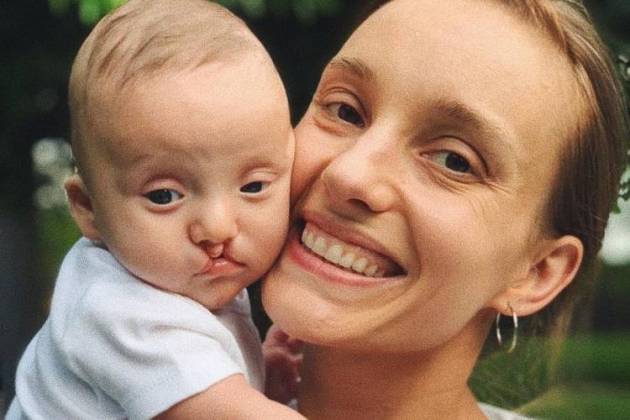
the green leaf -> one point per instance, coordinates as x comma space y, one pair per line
109, 5
616, 209
89, 11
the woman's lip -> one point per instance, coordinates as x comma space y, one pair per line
325, 270
351, 237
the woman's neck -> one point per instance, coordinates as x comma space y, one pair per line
430, 385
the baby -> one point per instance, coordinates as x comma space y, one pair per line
183, 144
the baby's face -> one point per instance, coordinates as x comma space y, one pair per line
190, 178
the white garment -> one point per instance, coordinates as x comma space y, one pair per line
496, 413
114, 347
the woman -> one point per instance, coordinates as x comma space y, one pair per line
459, 160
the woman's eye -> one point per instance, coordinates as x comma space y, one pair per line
254, 187
163, 196
452, 161
348, 114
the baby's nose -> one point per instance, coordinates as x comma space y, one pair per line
216, 226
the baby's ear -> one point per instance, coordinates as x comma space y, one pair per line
81, 207
549, 273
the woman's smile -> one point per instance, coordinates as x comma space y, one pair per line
346, 257
342, 254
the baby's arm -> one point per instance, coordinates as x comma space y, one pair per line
232, 398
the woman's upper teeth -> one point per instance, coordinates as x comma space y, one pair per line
350, 257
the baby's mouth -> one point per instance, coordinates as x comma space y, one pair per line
352, 258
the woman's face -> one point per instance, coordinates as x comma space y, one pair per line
423, 165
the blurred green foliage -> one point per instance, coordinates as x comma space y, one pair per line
513, 379
56, 232
581, 401
596, 358
90, 11
589, 380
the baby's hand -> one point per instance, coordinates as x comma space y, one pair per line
283, 357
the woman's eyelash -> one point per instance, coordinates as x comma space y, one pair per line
452, 161
341, 104
347, 113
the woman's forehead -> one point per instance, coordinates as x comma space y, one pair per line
450, 30
468, 52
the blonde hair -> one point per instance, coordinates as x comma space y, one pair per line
149, 38
588, 182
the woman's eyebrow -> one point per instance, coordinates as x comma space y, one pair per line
493, 137
351, 65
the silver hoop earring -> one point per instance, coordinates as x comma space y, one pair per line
514, 334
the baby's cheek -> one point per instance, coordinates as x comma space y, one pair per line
270, 238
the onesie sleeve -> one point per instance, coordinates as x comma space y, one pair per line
147, 349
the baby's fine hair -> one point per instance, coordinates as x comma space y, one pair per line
143, 39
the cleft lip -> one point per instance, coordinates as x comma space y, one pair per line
351, 237
218, 265
207, 267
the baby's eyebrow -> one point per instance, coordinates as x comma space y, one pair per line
352, 65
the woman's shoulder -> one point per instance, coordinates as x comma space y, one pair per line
496, 413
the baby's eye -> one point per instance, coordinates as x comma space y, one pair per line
254, 187
163, 196
452, 161
347, 113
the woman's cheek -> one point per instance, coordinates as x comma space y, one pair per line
314, 150
299, 178
307, 159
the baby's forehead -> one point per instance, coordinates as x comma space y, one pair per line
168, 150
179, 121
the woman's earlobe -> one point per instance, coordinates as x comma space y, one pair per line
80, 206
550, 274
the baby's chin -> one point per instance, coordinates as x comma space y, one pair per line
220, 292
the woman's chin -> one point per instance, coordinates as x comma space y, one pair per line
321, 312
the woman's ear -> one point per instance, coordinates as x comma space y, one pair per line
81, 207
553, 270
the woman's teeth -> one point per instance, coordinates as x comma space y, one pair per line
339, 254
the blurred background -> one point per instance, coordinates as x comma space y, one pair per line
39, 38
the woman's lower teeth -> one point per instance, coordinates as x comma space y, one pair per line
335, 254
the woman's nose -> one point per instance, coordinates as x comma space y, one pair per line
214, 224
360, 176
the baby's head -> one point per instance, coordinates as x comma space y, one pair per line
184, 147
